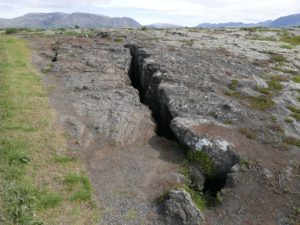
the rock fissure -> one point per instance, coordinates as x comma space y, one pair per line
146, 77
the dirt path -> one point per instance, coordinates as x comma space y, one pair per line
128, 180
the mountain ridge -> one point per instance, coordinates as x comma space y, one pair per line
284, 21
58, 19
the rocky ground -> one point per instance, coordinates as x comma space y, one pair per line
213, 111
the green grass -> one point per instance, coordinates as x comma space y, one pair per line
197, 197
9, 31
50, 200
274, 84
295, 112
286, 46
263, 102
233, 85
296, 79
204, 161
293, 40
119, 40
32, 190
80, 187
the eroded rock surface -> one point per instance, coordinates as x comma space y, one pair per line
232, 94
180, 209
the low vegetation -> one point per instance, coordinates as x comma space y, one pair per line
13, 30
204, 161
295, 112
263, 102
39, 182
197, 197
293, 40
292, 141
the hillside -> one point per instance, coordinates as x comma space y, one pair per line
54, 20
287, 21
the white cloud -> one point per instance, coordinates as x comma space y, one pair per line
184, 12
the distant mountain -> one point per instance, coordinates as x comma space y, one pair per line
235, 24
287, 21
56, 20
163, 25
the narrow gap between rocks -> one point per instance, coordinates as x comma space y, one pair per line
153, 98
160, 111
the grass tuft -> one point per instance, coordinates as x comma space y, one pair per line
80, 187
197, 197
50, 200
204, 161
261, 102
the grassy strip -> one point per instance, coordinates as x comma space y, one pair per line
34, 161
293, 40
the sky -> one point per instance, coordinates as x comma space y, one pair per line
181, 12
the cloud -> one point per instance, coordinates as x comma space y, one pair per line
184, 12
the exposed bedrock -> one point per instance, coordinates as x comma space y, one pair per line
152, 81
146, 76
180, 209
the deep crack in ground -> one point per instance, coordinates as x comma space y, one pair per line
148, 87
